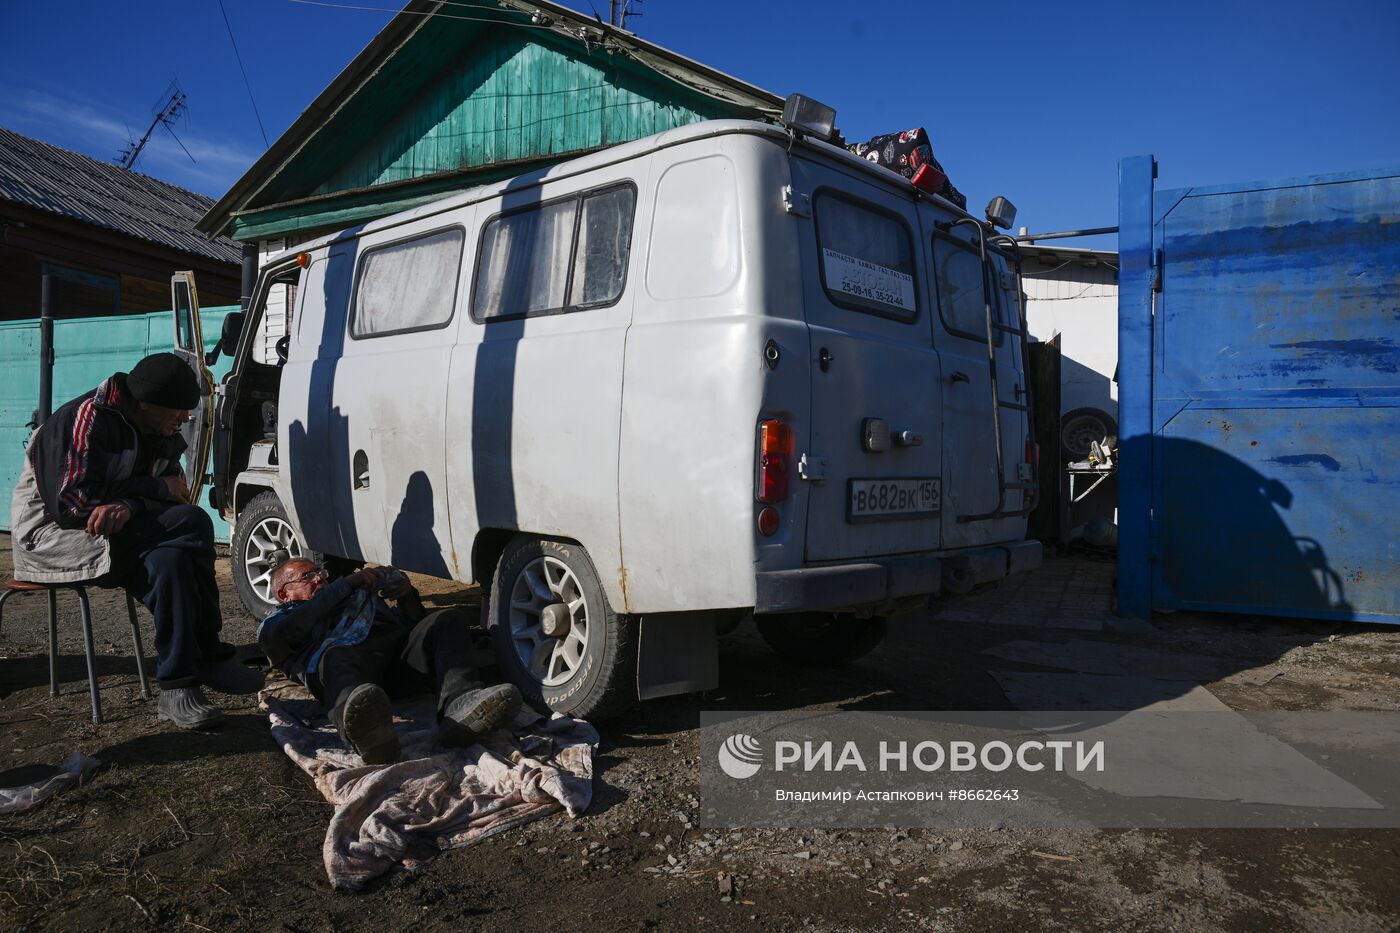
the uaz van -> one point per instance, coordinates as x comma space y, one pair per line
725, 371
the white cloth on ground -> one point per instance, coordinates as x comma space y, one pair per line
433, 798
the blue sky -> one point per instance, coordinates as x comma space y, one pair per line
1036, 101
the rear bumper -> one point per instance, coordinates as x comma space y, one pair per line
835, 587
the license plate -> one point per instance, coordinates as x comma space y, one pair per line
875, 500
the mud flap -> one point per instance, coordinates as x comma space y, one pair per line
677, 652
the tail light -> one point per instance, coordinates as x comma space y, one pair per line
774, 454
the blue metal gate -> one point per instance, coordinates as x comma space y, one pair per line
1259, 396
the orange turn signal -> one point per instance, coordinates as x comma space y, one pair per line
774, 450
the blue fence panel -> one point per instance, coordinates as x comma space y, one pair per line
1267, 434
86, 351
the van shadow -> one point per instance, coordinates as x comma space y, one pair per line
1224, 539
494, 371
317, 461
958, 655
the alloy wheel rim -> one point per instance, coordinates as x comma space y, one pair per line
548, 581
268, 536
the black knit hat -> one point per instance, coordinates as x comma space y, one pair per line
166, 380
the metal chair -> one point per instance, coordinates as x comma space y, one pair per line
19, 586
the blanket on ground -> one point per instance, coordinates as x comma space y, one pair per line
433, 798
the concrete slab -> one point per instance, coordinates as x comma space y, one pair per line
1179, 741
1043, 691
1098, 657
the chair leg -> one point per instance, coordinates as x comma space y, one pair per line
3, 597
53, 643
140, 649
91, 655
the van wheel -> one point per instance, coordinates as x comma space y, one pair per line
259, 533
555, 635
824, 639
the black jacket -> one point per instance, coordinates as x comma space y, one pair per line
292, 633
75, 454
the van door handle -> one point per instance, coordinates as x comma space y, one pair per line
959, 377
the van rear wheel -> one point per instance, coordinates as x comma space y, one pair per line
555, 635
823, 639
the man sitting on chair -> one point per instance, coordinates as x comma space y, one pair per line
101, 498
356, 652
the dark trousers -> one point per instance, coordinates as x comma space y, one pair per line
431, 656
165, 558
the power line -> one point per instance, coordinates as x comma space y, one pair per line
427, 14
541, 21
246, 83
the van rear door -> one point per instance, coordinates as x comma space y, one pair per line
962, 287
874, 460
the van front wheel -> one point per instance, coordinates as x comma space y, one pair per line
262, 537
825, 639
555, 635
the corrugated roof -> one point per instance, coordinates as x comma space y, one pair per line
51, 179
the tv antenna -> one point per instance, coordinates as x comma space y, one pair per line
620, 10
168, 110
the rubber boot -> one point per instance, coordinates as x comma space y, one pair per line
477, 713
367, 724
188, 708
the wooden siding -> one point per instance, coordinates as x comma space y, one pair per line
142, 269
507, 100
460, 106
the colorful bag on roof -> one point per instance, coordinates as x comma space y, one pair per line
910, 154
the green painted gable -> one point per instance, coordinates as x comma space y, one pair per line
454, 104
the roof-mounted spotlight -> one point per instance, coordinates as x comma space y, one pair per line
1001, 213
810, 117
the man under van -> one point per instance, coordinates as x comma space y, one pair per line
355, 652
101, 498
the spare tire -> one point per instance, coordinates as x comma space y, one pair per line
1080, 428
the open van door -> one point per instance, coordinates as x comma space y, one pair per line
189, 346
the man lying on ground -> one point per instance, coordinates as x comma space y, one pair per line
101, 499
355, 653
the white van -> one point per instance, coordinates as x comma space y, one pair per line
640, 396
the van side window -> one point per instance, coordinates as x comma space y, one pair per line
409, 285
961, 286
604, 241
565, 255
867, 258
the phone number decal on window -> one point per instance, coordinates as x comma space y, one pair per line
869, 281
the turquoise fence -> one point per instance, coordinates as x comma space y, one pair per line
86, 351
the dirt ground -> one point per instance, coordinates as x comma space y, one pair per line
220, 831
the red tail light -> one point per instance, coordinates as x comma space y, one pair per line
774, 453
